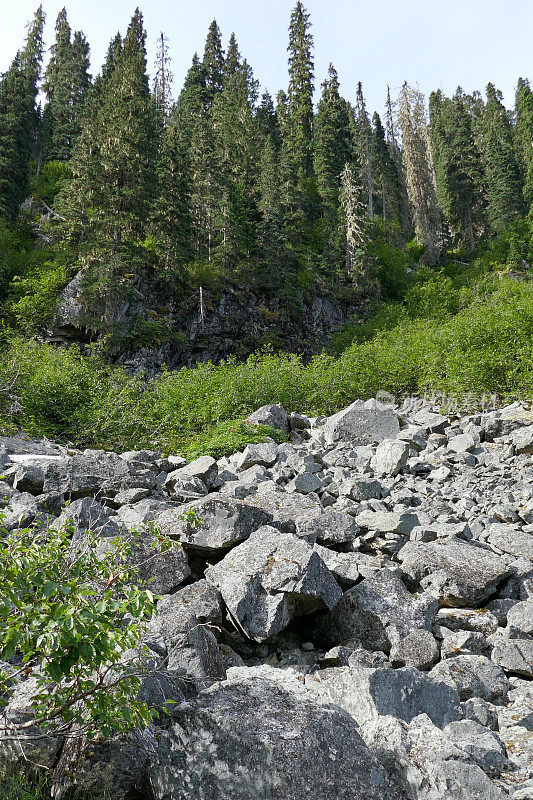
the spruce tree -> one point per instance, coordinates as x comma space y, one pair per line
524, 136
363, 136
163, 78
233, 58
171, 218
458, 169
503, 181
300, 96
19, 120
192, 100
386, 176
114, 166
419, 172
213, 63
66, 84
267, 121
332, 150
354, 225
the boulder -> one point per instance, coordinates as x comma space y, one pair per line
367, 694
87, 514
263, 454
362, 423
271, 578
274, 416
523, 440
331, 528
220, 523
93, 472
515, 656
473, 676
391, 455
372, 609
455, 572
261, 734
204, 469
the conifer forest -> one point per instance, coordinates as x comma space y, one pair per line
131, 209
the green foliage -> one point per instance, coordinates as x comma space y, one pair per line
34, 298
231, 436
53, 176
68, 613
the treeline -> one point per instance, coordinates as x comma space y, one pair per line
278, 193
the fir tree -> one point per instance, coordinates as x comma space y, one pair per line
19, 120
192, 100
267, 121
524, 136
458, 169
213, 63
503, 180
171, 221
363, 136
66, 84
333, 149
114, 165
354, 224
233, 58
300, 97
419, 171
387, 177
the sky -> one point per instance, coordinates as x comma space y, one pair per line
430, 43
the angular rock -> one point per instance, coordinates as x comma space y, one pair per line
264, 454
271, 578
362, 423
221, 522
523, 440
87, 514
274, 416
371, 609
417, 649
465, 619
289, 511
260, 734
473, 676
93, 472
514, 655
204, 468
457, 573
331, 528
402, 693
343, 566
388, 521
509, 539
520, 619
391, 455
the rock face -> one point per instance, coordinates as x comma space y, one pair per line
261, 734
347, 614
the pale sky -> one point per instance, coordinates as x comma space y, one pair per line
432, 43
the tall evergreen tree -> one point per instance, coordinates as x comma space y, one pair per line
386, 176
233, 58
524, 136
192, 100
458, 168
354, 223
503, 181
114, 166
213, 63
300, 97
171, 219
19, 119
333, 149
419, 171
163, 77
267, 120
363, 137
66, 83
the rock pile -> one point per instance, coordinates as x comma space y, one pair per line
351, 618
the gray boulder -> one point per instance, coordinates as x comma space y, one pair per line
263, 454
367, 694
274, 416
362, 423
523, 440
271, 578
261, 734
221, 523
391, 455
520, 620
205, 469
331, 528
87, 514
93, 472
375, 607
457, 573
473, 676
515, 656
